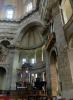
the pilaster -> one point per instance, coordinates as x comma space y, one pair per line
63, 61
48, 74
14, 70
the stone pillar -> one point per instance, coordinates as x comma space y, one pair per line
54, 76
48, 74
14, 71
43, 76
42, 54
9, 67
19, 10
70, 55
63, 61
35, 56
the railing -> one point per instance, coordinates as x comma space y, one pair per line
29, 95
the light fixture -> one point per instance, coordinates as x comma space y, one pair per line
26, 71
32, 75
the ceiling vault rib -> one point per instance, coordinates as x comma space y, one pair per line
40, 36
34, 39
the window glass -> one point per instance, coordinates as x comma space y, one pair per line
29, 7
9, 13
23, 60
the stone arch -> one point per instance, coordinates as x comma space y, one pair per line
28, 25
54, 72
2, 78
31, 24
54, 49
33, 21
31, 32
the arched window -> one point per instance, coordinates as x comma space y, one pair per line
29, 7
23, 60
9, 11
33, 61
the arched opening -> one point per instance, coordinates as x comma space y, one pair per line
27, 26
54, 74
32, 32
2, 77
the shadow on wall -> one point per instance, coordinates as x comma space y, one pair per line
2, 77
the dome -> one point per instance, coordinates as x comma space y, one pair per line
31, 39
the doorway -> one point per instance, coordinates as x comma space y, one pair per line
2, 78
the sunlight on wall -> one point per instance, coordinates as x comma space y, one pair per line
67, 10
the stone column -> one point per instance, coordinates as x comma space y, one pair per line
14, 70
43, 76
48, 74
63, 61
70, 55
9, 67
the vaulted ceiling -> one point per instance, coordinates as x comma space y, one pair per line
31, 38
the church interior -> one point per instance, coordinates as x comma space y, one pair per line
36, 49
